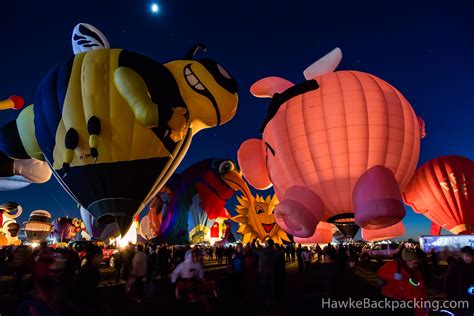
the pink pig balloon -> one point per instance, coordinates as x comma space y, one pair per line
340, 143
386, 233
322, 235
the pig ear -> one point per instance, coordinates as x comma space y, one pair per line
328, 63
252, 162
267, 87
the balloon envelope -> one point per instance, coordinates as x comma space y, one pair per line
145, 229
390, 232
322, 235
114, 125
19, 173
10, 230
192, 201
323, 138
100, 231
39, 226
13, 183
65, 228
348, 229
443, 190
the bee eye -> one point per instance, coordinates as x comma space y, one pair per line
223, 72
259, 209
226, 166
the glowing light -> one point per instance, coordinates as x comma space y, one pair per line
470, 290
413, 283
154, 8
130, 236
34, 245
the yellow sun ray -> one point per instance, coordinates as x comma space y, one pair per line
256, 219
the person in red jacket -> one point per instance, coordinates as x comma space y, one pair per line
403, 281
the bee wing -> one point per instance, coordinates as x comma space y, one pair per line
85, 38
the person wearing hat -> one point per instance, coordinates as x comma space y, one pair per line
402, 279
459, 281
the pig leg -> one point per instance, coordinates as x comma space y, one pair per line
377, 199
300, 212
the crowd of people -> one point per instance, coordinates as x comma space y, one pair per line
63, 282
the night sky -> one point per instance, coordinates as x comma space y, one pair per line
424, 48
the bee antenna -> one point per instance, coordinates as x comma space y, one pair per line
194, 49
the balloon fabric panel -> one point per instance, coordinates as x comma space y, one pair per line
443, 190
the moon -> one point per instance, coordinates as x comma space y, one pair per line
154, 8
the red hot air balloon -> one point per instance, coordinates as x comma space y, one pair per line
435, 229
384, 233
340, 144
443, 190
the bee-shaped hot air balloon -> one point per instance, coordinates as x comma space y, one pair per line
19, 173
114, 124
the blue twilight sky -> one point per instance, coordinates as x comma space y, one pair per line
424, 48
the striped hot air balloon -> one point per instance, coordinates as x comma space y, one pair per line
341, 143
443, 190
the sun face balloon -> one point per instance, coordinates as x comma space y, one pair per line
114, 124
443, 190
341, 143
256, 219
